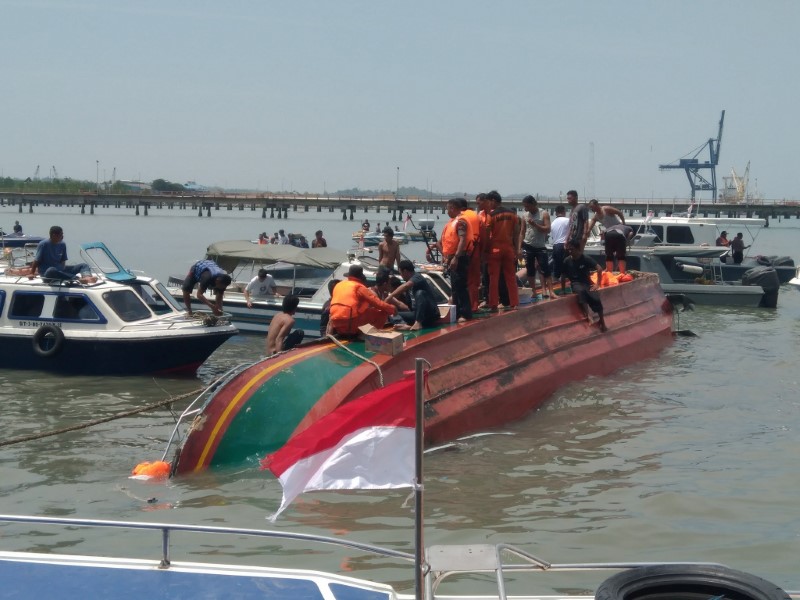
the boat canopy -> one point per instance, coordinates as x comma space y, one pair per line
231, 253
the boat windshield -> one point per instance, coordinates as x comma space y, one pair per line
128, 305
156, 296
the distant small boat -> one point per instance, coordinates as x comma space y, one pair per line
18, 240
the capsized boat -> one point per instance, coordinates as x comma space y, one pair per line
114, 323
486, 372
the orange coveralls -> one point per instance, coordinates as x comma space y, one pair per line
503, 224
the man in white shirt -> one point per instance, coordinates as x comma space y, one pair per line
260, 287
559, 227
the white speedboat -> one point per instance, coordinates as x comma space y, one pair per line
115, 323
795, 281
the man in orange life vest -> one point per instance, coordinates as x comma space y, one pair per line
457, 243
504, 249
474, 273
354, 305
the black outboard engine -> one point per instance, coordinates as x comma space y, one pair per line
768, 279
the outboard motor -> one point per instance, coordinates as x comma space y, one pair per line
768, 279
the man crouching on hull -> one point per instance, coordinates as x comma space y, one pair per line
578, 267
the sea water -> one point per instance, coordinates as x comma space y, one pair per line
688, 456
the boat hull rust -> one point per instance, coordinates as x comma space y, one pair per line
485, 373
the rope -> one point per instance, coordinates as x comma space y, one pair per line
121, 415
357, 355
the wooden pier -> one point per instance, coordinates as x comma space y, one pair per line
275, 206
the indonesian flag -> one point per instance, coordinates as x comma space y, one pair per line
367, 443
406, 221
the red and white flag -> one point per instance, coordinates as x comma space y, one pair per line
406, 221
368, 443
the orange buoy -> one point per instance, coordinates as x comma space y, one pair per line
151, 470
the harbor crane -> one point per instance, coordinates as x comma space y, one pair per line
693, 166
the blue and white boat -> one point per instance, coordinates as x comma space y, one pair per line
114, 322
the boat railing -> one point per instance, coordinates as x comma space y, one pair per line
197, 405
167, 529
444, 562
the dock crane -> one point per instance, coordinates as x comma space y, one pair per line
692, 166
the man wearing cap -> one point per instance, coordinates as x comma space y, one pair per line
722, 240
261, 286
354, 305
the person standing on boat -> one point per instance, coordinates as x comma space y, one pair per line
578, 223
616, 233
354, 305
738, 248
536, 227
205, 274
280, 336
51, 260
505, 247
559, 227
722, 240
319, 241
282, 237
474, 272
424, 311
389, 250
261, 286
457, 244
578, 268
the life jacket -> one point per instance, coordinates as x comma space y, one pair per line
474, 224
345, 301
450, 236
608, 279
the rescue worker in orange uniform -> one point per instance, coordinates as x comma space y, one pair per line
504, 250
353, 304
457, 243
474, 272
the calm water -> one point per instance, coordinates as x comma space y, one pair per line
690, 456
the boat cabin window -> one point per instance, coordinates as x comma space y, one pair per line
2, 300
658, 231
158, 299
26, 305
679, 234
128, 305
75, 308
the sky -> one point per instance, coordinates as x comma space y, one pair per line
450, 96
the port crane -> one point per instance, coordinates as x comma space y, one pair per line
693, 166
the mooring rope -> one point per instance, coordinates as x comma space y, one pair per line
357, 355
121, 415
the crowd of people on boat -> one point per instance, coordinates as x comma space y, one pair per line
480, 249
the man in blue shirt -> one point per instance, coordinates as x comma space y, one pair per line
51, 259
205, 274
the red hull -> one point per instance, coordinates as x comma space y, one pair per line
493, 371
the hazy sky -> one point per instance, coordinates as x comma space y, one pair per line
460, 95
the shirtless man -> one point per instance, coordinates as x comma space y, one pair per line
278, 337
389, 250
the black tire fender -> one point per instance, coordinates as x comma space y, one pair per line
687, 581
48, 341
